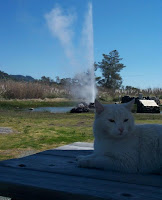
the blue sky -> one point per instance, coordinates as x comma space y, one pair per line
133, 27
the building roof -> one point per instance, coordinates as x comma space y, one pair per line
149, 103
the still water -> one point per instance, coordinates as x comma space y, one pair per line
52, 109
55, 109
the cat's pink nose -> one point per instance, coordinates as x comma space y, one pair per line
121, 130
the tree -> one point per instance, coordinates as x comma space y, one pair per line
66, 81
110, 67
46, 80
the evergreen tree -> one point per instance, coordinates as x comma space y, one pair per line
110, 67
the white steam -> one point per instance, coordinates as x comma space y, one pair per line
87, 40
61, 25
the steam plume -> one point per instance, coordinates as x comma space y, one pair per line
61, 26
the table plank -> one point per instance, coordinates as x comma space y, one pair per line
27, 181
64, 162
55, 173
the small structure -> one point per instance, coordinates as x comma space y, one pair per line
147, 106
127, 98
144, 104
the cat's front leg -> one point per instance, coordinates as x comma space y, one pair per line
86, 161
103, 162
94, 161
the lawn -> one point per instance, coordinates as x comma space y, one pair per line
34, 103
34, 132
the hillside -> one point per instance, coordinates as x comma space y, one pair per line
22, 78
5, 76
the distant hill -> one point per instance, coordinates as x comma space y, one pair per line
22, 78
5, 76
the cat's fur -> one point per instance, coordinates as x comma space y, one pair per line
122, 146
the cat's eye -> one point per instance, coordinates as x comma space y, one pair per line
125, 120
111, 120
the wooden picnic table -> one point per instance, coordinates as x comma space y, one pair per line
54, 174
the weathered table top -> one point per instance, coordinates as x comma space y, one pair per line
54, 174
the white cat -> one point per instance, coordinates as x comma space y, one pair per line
122, 146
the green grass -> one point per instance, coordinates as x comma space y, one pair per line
34, 132
41, 131
15, 104
148, 118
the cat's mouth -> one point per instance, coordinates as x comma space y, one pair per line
119, 135
122, 133
116, 134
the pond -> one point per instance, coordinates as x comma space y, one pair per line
56, 109
52, 109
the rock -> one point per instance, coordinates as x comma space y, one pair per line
81, 107
5, 130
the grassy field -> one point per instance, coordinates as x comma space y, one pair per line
39, 131
34, 132
34, 103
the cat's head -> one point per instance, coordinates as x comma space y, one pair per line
114, 120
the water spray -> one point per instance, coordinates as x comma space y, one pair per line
61, 27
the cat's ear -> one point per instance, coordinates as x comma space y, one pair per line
99, 107
129, 105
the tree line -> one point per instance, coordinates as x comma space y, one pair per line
110, 67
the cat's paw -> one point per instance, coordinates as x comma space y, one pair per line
84, 162
79, 158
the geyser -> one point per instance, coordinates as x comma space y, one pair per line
89, 45
81, 58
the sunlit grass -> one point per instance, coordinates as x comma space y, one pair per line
21, 104
34, 132
148, 118
41, 131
